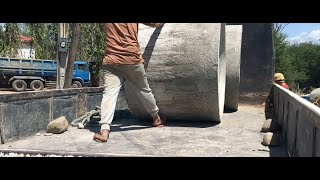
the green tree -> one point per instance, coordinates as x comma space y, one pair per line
280, 44
305, 58
92, 45
10, 40
284, 58
44, 39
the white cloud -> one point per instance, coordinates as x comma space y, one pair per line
313, 36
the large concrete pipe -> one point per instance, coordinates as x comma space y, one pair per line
186, 69
257, 63
233, 55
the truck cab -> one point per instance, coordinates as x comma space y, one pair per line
81, 74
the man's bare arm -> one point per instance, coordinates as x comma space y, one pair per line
153, 24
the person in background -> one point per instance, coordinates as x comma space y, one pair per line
279, 79
269, 106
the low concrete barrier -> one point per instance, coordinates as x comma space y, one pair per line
300, 122
26, 113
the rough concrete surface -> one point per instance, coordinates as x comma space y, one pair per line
300, 122
186, 67
233, 55
237, 135
257, 62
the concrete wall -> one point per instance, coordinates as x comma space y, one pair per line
257, 62
26, 113
300, 122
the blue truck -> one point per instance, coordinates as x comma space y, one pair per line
37, 74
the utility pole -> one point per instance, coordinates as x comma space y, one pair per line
63, 46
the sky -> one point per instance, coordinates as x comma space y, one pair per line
303, 32
300, 32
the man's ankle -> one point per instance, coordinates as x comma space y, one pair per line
104, 131
156, 117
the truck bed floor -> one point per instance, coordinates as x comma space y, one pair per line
237, 135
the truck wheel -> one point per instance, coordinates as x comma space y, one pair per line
36, 85
19, 85
76, 84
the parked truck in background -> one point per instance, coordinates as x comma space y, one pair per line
37, 74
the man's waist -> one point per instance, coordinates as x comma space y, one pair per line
118, 59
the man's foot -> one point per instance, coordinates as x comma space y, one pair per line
103, 136
159, 120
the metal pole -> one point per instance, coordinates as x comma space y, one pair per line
62, 54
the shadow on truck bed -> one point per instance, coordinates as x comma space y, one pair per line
125, 121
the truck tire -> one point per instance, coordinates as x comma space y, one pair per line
76, 84
36, 85
19, 85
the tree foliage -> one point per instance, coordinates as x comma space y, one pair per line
305, 58
10, 39
92, 45
44, 35
44, 39
300, 63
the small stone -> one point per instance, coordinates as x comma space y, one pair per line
48, 134
38, 134
315, 94
270, 126
58, 125
272, 139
